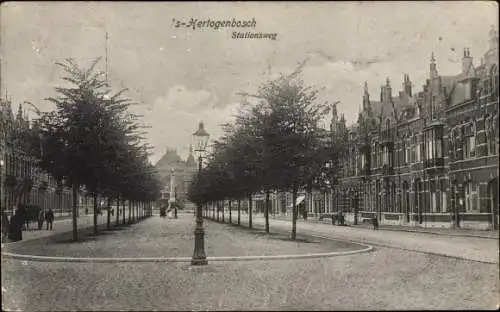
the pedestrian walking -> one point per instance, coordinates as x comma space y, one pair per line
341, 218
15, 226
375, 223
41, 218
5, 226
49, 216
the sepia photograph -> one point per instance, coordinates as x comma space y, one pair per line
249, 156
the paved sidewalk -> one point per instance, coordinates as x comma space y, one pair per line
470, 248
66, 225
459, 246
436, 231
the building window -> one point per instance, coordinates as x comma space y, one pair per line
413, 153
407, 153
386, 155
433, 201
439, 148
443, 200
430, 145
469, 147
417, 152
471, 197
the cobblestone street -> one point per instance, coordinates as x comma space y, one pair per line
384, 279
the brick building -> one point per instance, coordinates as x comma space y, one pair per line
21, 180
427, 158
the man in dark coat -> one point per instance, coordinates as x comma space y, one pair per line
49, 216
41, 219
16, 224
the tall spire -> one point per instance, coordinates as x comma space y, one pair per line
493, 41
433, 70
407, 85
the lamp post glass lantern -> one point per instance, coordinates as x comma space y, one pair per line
200, 138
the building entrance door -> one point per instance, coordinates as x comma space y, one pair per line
494, 205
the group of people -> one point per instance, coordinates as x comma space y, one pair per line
13, 228
47, 216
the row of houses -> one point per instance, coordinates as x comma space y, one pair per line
426, 158
21, 179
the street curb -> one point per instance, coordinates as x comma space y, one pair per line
412, 250
14, 256
403, 230
368, 248
440, 234
368, 243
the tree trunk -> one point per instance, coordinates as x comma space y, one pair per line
217, 208
117, 210
239, 212
356, 203
294, 214
95, 212
130, 211
123, 211
108, 223
223, 212
133, 214
74, 211
230, 216
250, 211
266, 210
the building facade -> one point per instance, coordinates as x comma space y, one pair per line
428, 158
21, 180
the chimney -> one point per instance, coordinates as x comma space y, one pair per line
466, 62
407, 85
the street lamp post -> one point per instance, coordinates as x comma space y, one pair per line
199, 258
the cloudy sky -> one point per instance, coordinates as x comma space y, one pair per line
181, 75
